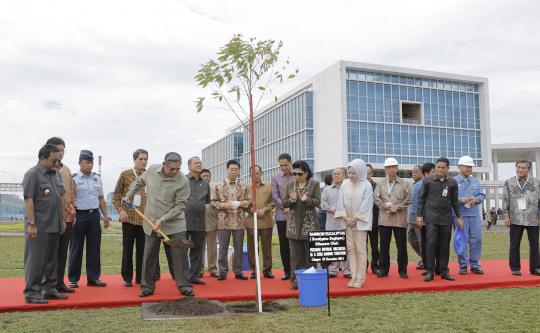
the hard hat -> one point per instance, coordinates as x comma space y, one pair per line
390, 162
466, 160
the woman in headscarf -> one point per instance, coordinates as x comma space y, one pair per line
355, 206
302, 199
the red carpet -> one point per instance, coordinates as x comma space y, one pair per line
116, 295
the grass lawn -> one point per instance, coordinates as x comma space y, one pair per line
494, 310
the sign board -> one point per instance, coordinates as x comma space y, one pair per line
327, 246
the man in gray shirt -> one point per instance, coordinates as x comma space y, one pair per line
195, 216
43, 191
167, 191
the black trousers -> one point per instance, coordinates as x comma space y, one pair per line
196, 253
63, 248
284, 250
400, 235
438, 235
132, 235
87, 228
373, 238
516, 233
424, 251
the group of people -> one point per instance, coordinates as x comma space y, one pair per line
63, 210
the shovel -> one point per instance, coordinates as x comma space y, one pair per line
179, 243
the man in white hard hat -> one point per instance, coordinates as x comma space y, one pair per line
470, 197
393, 197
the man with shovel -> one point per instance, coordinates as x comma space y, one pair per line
167, 190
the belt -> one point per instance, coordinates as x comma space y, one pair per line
89, 211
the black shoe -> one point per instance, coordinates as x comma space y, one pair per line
347, 276
463, 271
516, 273
64, 289
222, 276
146, 293
294, 286
286, 276
477, 271
54, 295
381, 274
187, 291
424, 273
268, 275
34, 300
403, 275
196, 280
201, 274
240, 276
214, 274
73, 284
253, 275
536, 272
332, 275
420, 266
428, 277
447, 277
97, 283
128, 284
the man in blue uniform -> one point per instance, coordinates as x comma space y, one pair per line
470, 198
89, 198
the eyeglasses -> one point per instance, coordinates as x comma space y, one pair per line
298, 173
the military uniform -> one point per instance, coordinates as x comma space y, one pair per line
45, 188
88, 189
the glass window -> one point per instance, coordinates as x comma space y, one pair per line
378, 90
418, 94
369, 76
395, 92
370, 90
362, 76
410, 93
402, 79
403, 93
361, 89
417, 81
378, 77
387, 91
410, 80
426, 96
395, 78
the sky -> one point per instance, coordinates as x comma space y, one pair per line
114, 76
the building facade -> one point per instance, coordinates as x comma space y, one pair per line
216, 155
356, 110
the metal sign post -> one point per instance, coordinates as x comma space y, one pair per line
326, 247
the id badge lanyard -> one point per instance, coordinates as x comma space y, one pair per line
522, 202
137, 197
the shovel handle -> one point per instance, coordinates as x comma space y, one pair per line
150, 223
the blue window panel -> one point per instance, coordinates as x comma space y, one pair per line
436, 142
447, 85
362, 89
405, 160
477, 118
476, 101
462, 99
449, 116
448, 98
410, 80
363, 132
440, 84
463, 117
455, 86
387, 78
442, 115
387, 91
352, 102
402, 79
351, 75
378, 90
371, 104
410, 94
417, 81
455, 99
379, 105
370, 89
369, 76
395, 78
362, 76
395, 111
395, 92
418, 94
442, 97
426, 96
434, 114
469, 87
403, 93
475, 87
425, 83
362, 103
433, 83
362, 115
378, 77
353, 88
470, 101
434, 97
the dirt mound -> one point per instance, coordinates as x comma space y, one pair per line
268, 306
187, 306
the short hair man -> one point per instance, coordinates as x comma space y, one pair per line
132, 224
68, 214
470, 198
211, 230
199, 197
167, 193
43, 223
264, 208
428, 169
231, 199
521, 202
90, 200
413, 233
393, 197
437, 200
279, 192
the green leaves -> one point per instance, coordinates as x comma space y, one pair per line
241, 67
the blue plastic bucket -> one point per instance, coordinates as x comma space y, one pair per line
245, 259
312, 287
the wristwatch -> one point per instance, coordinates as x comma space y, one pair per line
30, 222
